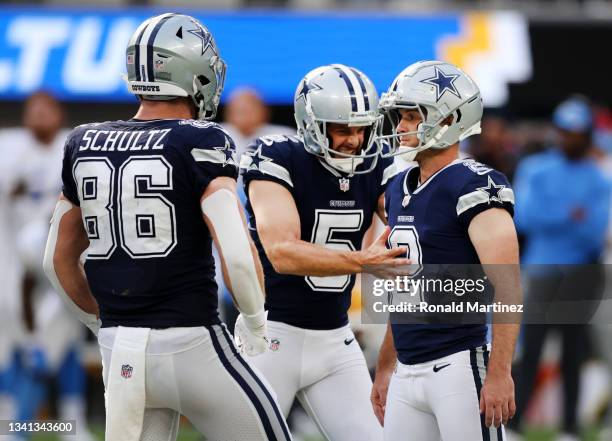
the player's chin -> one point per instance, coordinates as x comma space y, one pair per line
410, 143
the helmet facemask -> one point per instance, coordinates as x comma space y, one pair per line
318, 141
207, 93
434, 131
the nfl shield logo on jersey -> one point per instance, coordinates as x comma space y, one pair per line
274, 344
126, 371
344, 184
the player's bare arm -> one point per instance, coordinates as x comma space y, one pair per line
278, 225
67, 241
387, 358
493, 235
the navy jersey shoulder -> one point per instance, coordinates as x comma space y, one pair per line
335, 211
432, 221
139, 185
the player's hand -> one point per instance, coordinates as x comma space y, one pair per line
251, 334
383, 262
378, 397
497, 398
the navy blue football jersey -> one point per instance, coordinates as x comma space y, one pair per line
432, 221
139, 184
335, 211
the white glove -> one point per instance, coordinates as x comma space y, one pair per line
251, 334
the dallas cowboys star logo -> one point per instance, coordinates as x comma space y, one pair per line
306, 88
202, 35
443, 82
230, 154
256, 159
493, 190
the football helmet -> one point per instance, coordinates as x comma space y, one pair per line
343, 95
437, 90
174, 55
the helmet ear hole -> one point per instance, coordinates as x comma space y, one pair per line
203, 80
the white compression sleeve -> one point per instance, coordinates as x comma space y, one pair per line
221, 208
90, 320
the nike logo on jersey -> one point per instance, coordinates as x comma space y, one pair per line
437, 368
348, 341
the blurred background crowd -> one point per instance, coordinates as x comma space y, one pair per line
547, 126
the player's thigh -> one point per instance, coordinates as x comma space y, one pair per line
340, 404
404, 421
160, 425
453, 393
281, 365
223, 396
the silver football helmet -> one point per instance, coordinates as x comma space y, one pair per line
343, 95
438, 91
173, 55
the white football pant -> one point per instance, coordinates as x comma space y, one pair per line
439, 400
326, 371
197, 372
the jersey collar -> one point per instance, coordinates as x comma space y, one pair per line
415, 169
333, 171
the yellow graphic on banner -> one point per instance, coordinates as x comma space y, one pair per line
475, 38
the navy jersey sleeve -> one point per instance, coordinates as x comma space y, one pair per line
211, 154
69, 187
268, 159
484, 191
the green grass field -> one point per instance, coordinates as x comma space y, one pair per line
189, 434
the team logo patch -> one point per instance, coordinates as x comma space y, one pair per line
126, 371
345, 184
274, 344
159, 65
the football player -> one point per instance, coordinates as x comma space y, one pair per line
52, 350
145, 198
311, 198
448, 382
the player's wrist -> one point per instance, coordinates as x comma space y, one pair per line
498, 367
255, 321
357, 259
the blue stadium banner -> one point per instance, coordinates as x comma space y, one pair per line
79, 54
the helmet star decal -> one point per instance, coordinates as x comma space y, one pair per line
443, 83
203, 35
306, 88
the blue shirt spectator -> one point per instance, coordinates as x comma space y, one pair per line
562, 197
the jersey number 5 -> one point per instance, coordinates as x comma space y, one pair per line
126, 206
328, 222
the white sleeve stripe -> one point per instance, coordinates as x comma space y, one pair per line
214, 156
267, 168
388, 173
470, 200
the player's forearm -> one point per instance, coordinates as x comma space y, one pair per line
62, 266
506, 281
502, 348
71, 278
387, 356
303, 258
